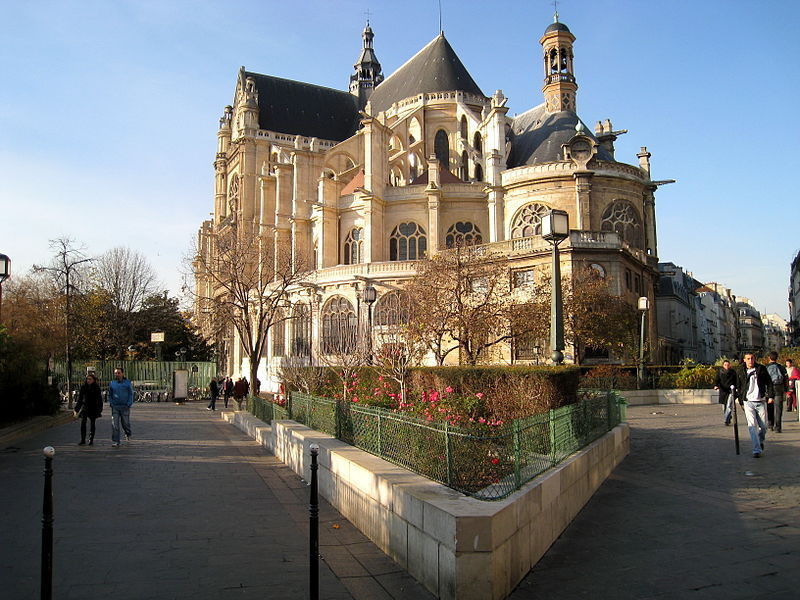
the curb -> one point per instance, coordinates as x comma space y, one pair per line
33, 426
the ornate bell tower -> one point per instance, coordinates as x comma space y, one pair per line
368, 70
559, 73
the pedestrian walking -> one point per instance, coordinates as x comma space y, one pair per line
753, 389
213, 388
726, 377
89, 407
239, 392
227, 389
777, 373
793, 374
120, 399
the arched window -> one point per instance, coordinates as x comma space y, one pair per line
441, 148
463, 170
354, 246
407, 242
478, 172
233, 193
463, 233
413, 169
301, 330
528, 220
392, 309
278, 331
621, 216
463, 129
477, 143
339, 326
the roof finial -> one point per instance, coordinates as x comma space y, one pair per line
440, 17
366, 12
555, 11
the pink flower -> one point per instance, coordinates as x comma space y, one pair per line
448, 389
380, 377
495, 461
479, 395
354, 399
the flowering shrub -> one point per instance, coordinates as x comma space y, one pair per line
606, 377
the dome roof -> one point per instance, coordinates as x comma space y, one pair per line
557, 27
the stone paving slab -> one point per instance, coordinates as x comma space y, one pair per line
190, 508
684, 517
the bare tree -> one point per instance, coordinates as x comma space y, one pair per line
240, 279
344, 348
127, 277
67, 270
461, 301
397, 348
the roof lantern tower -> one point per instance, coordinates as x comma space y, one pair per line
559, 71
368, 70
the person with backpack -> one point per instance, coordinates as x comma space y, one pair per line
777, 373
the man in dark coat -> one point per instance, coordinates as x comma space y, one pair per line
213, 388
753, 388
726, 378
89, 406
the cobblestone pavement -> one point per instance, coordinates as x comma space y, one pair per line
684, 517
190, 508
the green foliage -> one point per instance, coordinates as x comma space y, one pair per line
609, 377
458, 395
695, 377
23, 388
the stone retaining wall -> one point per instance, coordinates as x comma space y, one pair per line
456, 546
639, 397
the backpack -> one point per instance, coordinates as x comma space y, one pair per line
775, 373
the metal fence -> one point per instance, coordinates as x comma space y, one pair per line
488, 463
148, 375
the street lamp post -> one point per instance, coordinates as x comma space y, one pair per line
644, 306
369, 295
5, 273
555, 229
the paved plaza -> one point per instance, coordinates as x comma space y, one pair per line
192, 508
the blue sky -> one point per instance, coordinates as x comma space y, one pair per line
109, 110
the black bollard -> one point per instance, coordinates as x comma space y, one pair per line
47, 525
313, 531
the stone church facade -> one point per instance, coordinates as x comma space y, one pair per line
359, 184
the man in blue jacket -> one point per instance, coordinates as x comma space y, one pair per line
120, 399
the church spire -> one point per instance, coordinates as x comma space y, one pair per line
368, 69
559, 73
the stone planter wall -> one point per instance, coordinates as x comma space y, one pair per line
639, 397
456, 546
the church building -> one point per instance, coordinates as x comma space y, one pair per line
360, 184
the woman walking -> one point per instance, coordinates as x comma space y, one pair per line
89, 406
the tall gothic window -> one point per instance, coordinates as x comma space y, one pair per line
528, 220
478, 172
392, 309
339, 326
278, 331
233, 193
354, 246
463, 170
463, 233
622, 218
407, 242
477, 143
301, 330
441, 148
463, 129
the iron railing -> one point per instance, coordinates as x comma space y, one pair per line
488, 463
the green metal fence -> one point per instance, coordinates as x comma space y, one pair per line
155, 374
487, 463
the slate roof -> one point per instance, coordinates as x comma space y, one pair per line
294, 107
537, 136
435, 68
557, 27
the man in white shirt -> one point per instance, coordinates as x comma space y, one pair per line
755, 386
